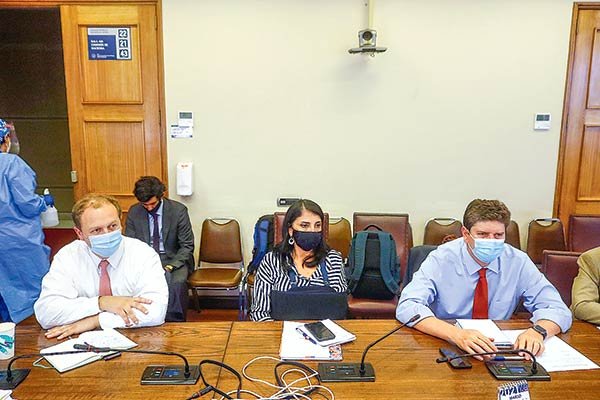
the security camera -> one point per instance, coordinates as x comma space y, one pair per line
367, 37
367, 43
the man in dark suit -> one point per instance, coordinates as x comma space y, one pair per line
165, 225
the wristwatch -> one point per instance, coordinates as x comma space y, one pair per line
169, 268
540, 330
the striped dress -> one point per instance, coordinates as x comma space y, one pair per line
271, 276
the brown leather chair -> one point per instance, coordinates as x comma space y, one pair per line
372, 309
399, 227
548, 235
584, 232
221, 247
560, 267
57, 238
436, 229
512, 235
340, 236
278, 222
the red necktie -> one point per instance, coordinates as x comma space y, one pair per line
480, 300
105, 289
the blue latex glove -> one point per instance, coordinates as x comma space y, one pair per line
49, 200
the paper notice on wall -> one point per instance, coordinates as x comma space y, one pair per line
180, 132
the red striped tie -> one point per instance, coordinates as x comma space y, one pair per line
105, 289
480, 300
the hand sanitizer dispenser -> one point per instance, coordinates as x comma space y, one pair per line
184, 179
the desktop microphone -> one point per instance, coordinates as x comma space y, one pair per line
355, 372
156, 374
506, 369
11, 378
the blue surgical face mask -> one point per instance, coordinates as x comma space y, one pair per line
307, 241
487, 250
106, 244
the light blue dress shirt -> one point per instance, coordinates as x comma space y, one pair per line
444, 287
159, 212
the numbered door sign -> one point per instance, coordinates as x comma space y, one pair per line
109, 43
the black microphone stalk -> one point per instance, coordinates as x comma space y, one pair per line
508, 369
15, 377
355, 372
491, 353
362, 360
155, 375
94, 349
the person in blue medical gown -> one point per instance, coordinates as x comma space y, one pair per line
24, 260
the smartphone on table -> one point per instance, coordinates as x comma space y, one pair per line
319, 331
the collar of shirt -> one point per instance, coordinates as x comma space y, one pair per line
471, 265
113, 260
158, 210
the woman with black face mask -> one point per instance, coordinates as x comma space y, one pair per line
301, 260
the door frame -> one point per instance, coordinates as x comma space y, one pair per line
160, 58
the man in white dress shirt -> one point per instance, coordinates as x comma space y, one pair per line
103, 280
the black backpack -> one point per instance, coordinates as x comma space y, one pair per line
374, 271
263, 241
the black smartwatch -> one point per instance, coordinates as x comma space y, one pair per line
540, 330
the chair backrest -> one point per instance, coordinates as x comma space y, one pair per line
560, 267
278, 222
417, 255
220, 243
436, 229
584, 232
512, 235
396, 224
547, 236
340, 235
56, 238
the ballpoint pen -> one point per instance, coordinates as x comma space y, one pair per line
508, 358
305, 335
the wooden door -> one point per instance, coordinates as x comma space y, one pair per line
578, 176
114, 105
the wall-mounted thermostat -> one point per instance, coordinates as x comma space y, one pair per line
542, 121
286, 201
186, 118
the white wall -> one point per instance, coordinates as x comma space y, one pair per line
444, 116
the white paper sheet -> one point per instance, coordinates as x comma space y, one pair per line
558, 355
487, 327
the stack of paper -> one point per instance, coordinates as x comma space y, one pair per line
104, 338
295, 346
488, 328
341, 335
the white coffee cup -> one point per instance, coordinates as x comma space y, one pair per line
7, 340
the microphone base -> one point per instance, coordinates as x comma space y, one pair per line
516, 370
18, 376
345, 372
169, 375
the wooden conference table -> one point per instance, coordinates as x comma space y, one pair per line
404, 364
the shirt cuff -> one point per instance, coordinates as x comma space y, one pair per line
554, 315
408, 309
109, 320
